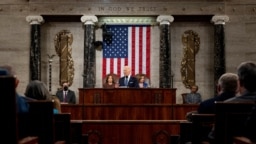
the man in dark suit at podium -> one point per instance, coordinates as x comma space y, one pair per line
66, 95
127, 80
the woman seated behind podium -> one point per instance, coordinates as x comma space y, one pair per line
142, 83
110, 82
37, 90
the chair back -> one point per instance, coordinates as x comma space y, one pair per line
230, 120
41, 122
62, 126
9, 120
184, 95
202, 124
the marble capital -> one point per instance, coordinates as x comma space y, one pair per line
35, 19
165, 19
89, 19
220, 19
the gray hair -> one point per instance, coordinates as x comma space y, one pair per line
37, 90
228, 82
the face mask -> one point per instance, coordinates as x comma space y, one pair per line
65, 88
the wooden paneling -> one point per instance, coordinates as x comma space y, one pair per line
76, 110
180, 110
128, 131
127, 115
127, 96
28, 140
128, 112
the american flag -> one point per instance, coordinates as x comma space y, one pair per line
129, 45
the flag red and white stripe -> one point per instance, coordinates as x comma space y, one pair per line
130, 45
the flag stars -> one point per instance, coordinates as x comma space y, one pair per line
119, 46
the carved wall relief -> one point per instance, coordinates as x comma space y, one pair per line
63, 41
191, 43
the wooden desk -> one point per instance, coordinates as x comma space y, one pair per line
127, 115
179, 111
130, 131
128, 112
127, 96
76, 110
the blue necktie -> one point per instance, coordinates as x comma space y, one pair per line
126, 81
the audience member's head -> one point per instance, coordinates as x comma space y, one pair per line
8, 71
56, 104
37, 90
228, 82
246, 72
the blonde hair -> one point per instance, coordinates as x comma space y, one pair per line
56, 103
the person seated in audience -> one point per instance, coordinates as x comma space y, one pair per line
56, 105
142, 83
193, 97
66, 95
227, 88
128, 80
246, 72
21, 101
110, 82
37, 90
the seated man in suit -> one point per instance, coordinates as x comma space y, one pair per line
246, 72
227, 88
66, 95
127, 79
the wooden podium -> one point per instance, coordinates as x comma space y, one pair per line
128, 115
127, 96
127, 103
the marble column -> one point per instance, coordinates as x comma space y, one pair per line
219, 47
89, 74
165, 80
35, 49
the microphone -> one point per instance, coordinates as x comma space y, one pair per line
126, 76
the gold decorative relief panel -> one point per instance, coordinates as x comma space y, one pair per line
191, 44
63, 41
